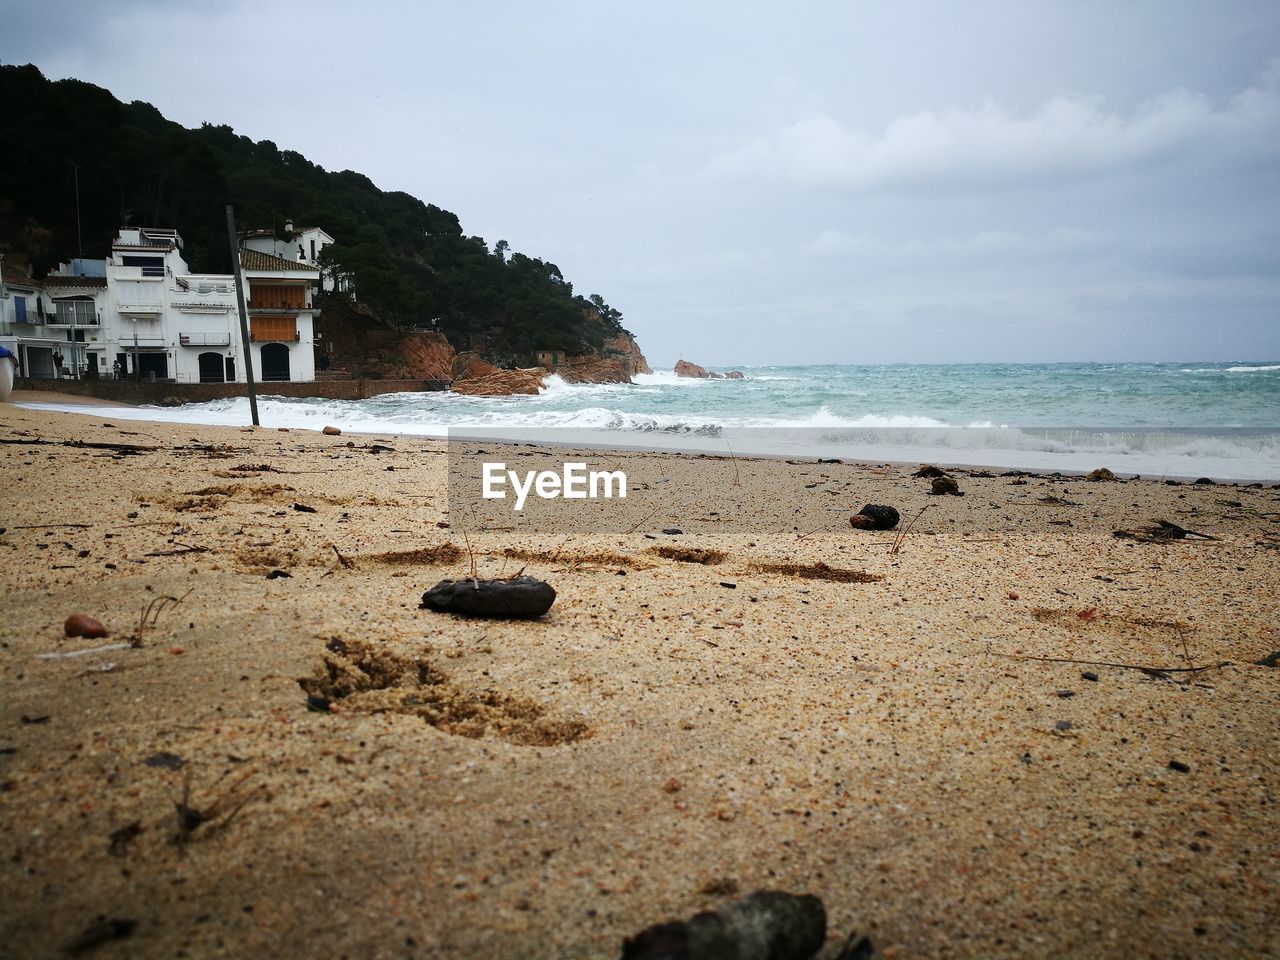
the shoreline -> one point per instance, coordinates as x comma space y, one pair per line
596, 440
698, 716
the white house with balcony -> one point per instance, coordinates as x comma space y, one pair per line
164, 322
304, 245
279, 296
142, 312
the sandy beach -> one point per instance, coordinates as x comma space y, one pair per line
961, 745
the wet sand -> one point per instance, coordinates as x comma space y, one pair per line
911, 745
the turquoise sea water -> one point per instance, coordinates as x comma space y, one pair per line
1173, 419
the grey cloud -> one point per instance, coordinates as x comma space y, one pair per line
989, 146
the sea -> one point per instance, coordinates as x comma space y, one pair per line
1160, 420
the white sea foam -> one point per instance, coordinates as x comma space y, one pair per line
950, 415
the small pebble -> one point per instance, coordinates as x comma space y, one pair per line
331, 431
1089, 675
1062, 725
1179, 766
83, 625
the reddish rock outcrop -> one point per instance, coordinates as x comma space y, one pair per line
595, 370
469, 366
625, 346
686, 369
429, 356
501, 383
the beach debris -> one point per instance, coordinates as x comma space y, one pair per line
190, 818
83, 625
875, 517
1101, 474
103, 930
119, 839
1062, 725
331, 432
41, 718
1179, 766
673, 531
1162, 532
766, 925
818, 571
169, 761
930, 471
86, 651
279, 574
151, 615
857, 947
1089, 675
719, 887
728, 585
1270, 660
519, 598
690, 554
945, 486
303, 508
1159, 673
1088, 614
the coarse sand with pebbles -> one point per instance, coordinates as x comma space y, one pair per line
1003, 732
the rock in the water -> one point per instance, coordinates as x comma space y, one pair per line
767, 925
520, 598
331, 432
684, 368
735, 375
875, 517
83, 625
946, 485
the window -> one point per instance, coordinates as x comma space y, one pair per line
76, 312
19, 309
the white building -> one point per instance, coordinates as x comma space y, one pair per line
303, 246
281, 315
142, 312
51, 325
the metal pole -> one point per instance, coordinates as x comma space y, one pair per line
79, 243
244, 314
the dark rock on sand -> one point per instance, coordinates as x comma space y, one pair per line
520, 598
767, 925
929, 470
875, 517
946, 485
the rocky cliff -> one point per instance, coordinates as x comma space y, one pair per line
358, 342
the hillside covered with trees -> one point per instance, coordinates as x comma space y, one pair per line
409, 262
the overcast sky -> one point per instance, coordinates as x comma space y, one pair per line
780, 183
